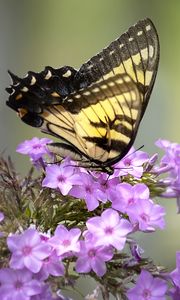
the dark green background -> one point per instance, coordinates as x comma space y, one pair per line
35, 33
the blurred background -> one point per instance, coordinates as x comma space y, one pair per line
34, 34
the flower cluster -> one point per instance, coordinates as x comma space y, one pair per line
170, 164
34, 257
36, 149
115, 207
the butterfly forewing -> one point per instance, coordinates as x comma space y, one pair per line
135, 53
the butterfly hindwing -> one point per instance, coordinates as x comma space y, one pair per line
95, 111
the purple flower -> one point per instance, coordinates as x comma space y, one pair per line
126, 196
45, 294
107, 185
93, 258
109, 229
174, 293
35, 148
136, 251
65, 241
170, 163
151, 162
28, 250
171, 159
52, 265
61, 177
89, 190
147, 215
172, 152
163, 144
18, 284
131, 164
173, 189
175, 275
148, 288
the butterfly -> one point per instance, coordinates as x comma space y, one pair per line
95, 111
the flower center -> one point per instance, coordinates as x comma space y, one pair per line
146, 294
127, 162
27, 250
145, 217
66, 243
92, 253
88, 189
109, 230
18, 285
61, 178
46, 260
37, 146
130, 201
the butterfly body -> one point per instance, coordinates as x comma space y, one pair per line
95, 111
